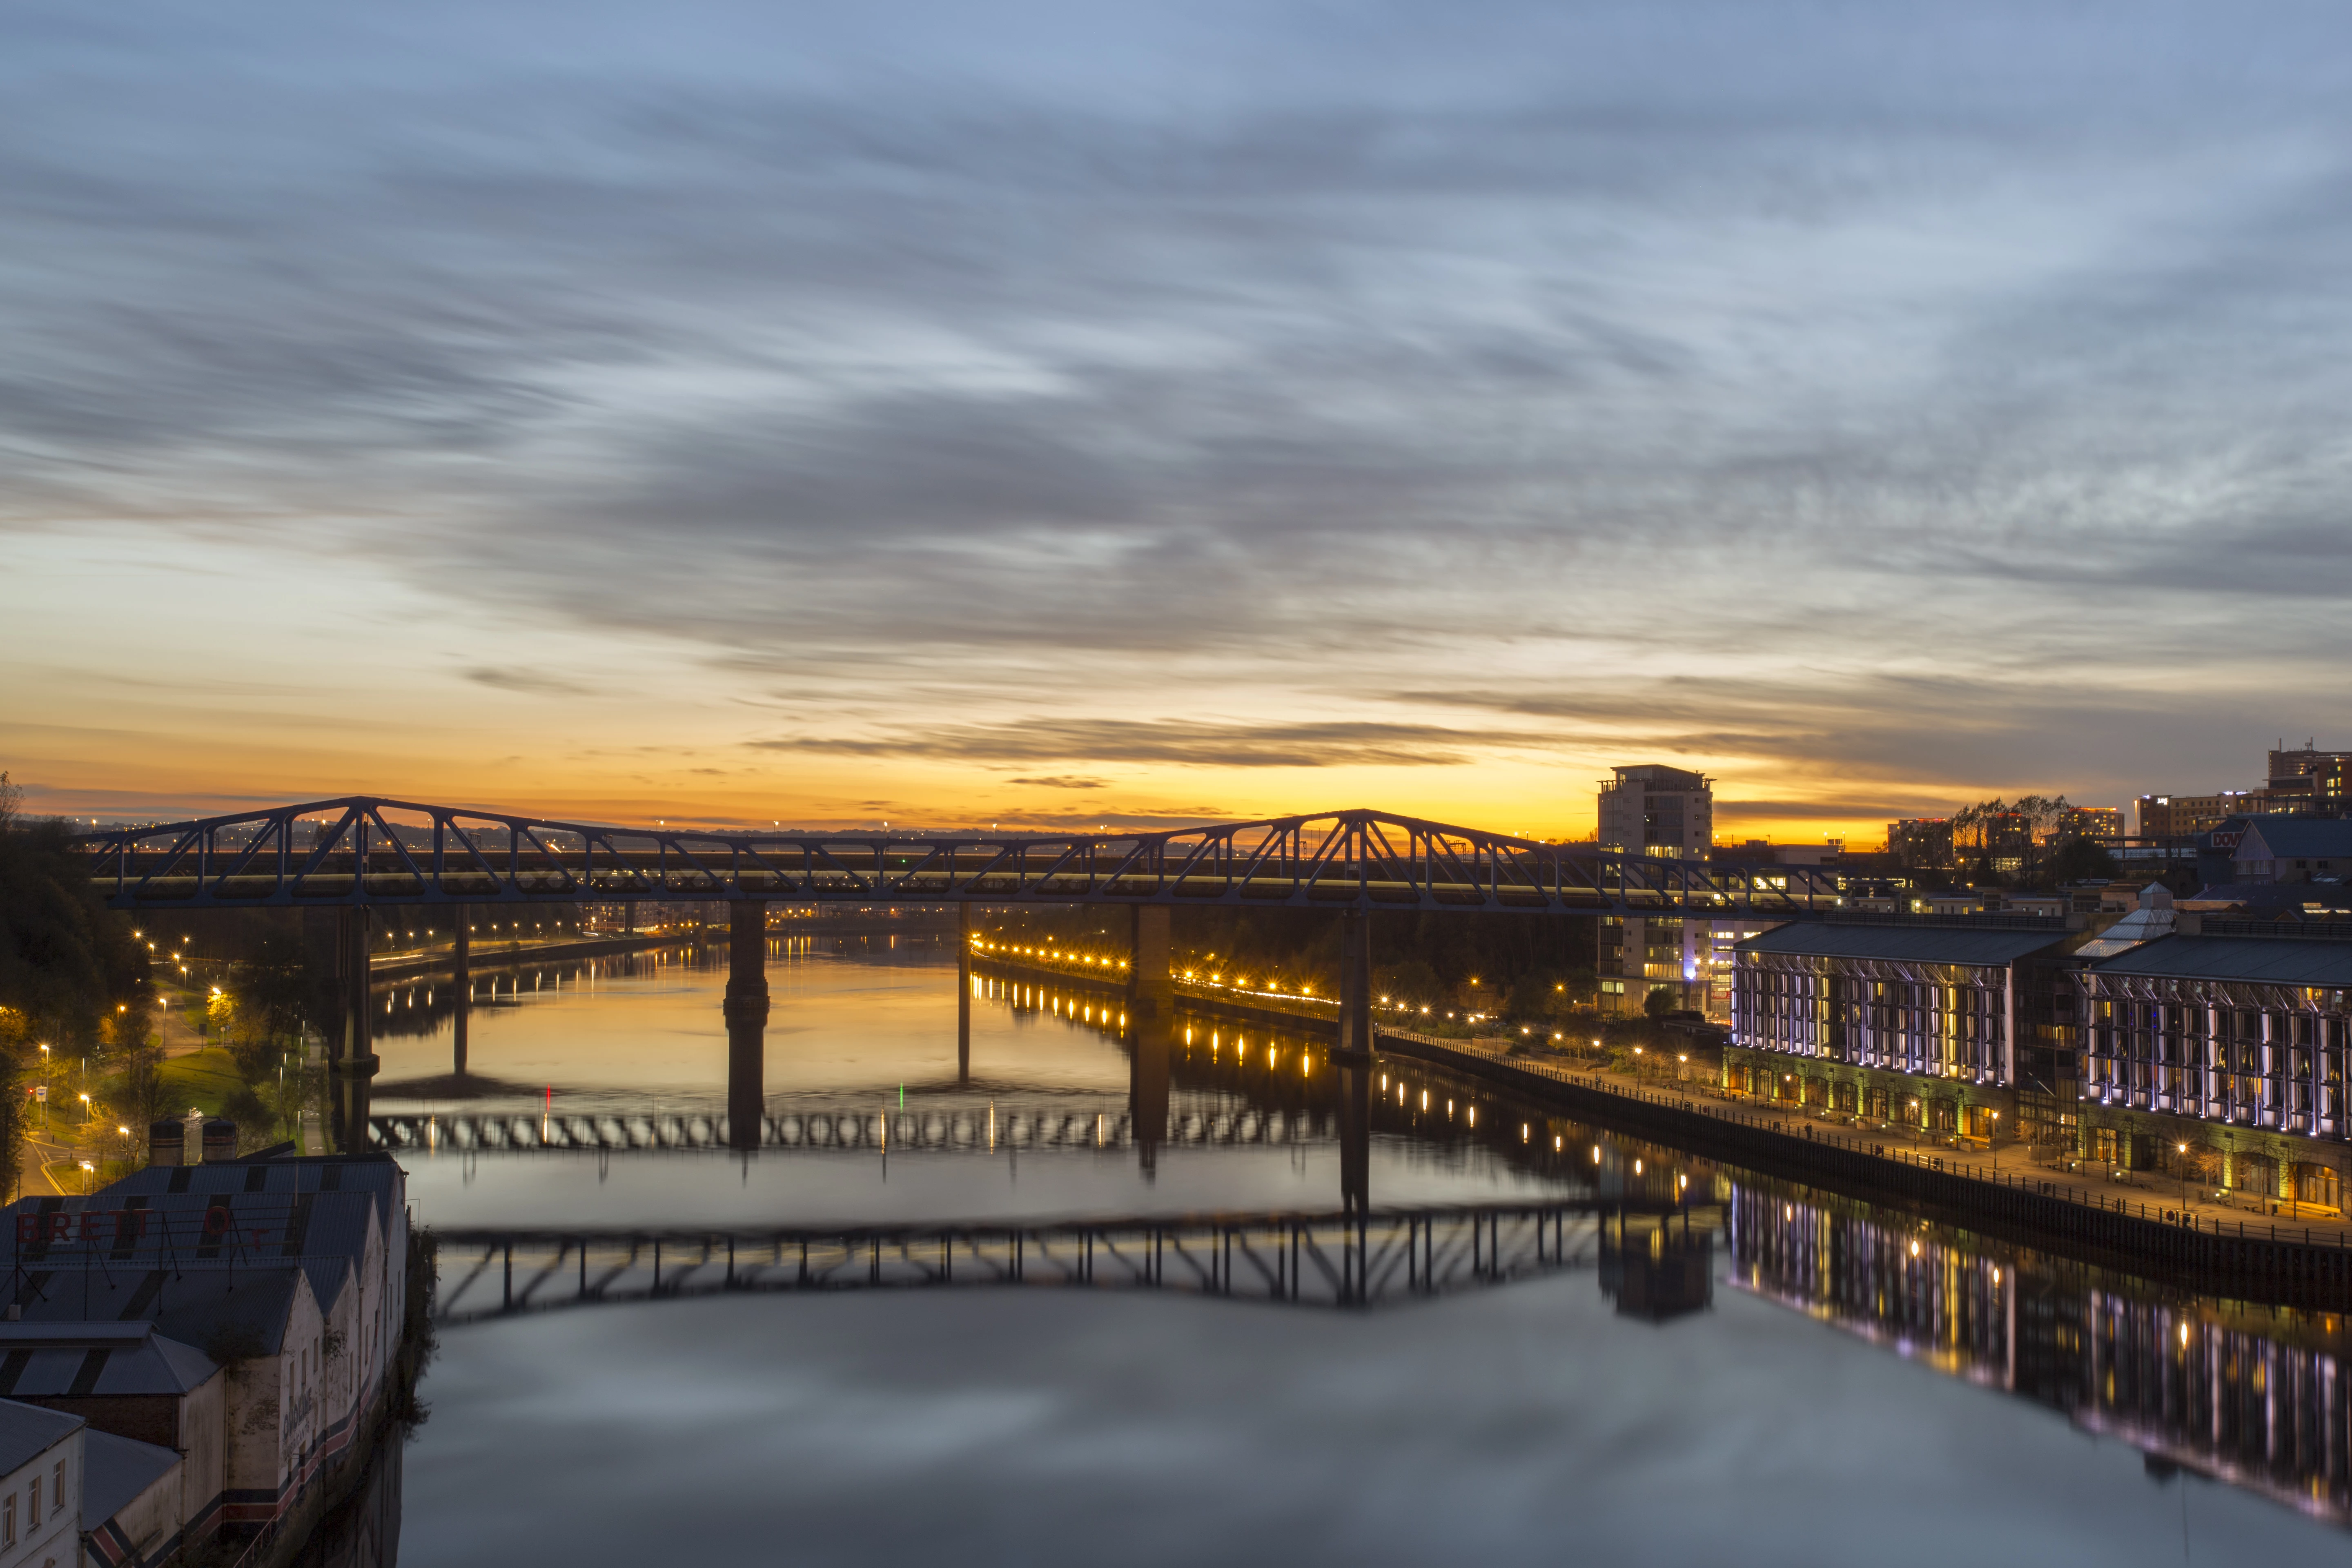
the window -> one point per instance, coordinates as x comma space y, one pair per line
57, 1485
32, 1503
8, 1519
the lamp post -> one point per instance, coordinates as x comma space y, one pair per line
2182, 1171
1994, 1142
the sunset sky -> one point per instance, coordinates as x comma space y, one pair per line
1138, 414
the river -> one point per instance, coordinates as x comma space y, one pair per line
1802, 1380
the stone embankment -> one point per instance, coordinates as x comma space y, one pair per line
2257, 1260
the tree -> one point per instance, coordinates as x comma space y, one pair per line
69, 967
2081, 860
1658, 1003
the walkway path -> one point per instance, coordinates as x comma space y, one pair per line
2143, 1193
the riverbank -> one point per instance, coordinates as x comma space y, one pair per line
443, 961
2140, 1232
1189, 998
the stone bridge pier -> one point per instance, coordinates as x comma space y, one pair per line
746, 1011
352, 1061
1151, 1027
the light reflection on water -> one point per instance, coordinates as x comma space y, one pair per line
1037, 1426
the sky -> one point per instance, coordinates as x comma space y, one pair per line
1131, 415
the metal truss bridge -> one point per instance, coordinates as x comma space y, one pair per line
364, 850
1334, 1258
1020, 1125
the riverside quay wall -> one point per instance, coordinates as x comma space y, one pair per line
2251, 1260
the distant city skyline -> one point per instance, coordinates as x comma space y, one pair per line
1130, 415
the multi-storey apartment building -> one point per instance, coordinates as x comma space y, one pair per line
1898, 1021
1652, 809
2218, 1057
2237, 1040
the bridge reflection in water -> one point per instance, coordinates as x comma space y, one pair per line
1344, 1258
2247, 1395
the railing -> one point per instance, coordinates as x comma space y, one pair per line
1028, 1124
361, 850
1328, 1259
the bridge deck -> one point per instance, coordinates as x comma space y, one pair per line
364, 850
1323, 1259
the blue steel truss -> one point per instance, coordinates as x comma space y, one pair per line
365, 850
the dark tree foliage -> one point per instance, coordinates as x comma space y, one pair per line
71, 977
66, 963
2080, 860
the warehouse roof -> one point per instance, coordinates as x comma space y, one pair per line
115, 1471
48, 1360
2288, 837
1913, 943
2277, 960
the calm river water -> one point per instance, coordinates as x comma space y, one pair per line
1844, 1386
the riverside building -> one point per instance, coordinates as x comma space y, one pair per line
1669, 813
2212, 1052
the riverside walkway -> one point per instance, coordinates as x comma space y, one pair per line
2151, 1228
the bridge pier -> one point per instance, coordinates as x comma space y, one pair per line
1355, 1091
964, 992
351, 1062
1356, 985
746, 1011
462, 976
1151, 1026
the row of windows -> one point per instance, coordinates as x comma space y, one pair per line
32, 1504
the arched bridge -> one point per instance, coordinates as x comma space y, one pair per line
1328, 1259
365, 849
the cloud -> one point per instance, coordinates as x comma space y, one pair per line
1834, 398
1183, 743
532, 682
1061, 782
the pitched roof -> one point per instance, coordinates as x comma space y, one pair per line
28, 1431
1914, 943
378, 1175
195, 1230
2295, 838
2278, 961
114, 1472
51, 1360
223, 1312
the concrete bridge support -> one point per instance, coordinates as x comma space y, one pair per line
964, 932
746, 1010
1356, 985
1151, 1027
1355, 1091
351, 1058
462, 976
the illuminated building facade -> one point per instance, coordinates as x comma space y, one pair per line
2231, 1046
1652, 809
1891, 1022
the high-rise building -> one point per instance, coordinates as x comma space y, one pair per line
2103, 824
2309, 781
1652, 809
1921, 843
2183, 816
